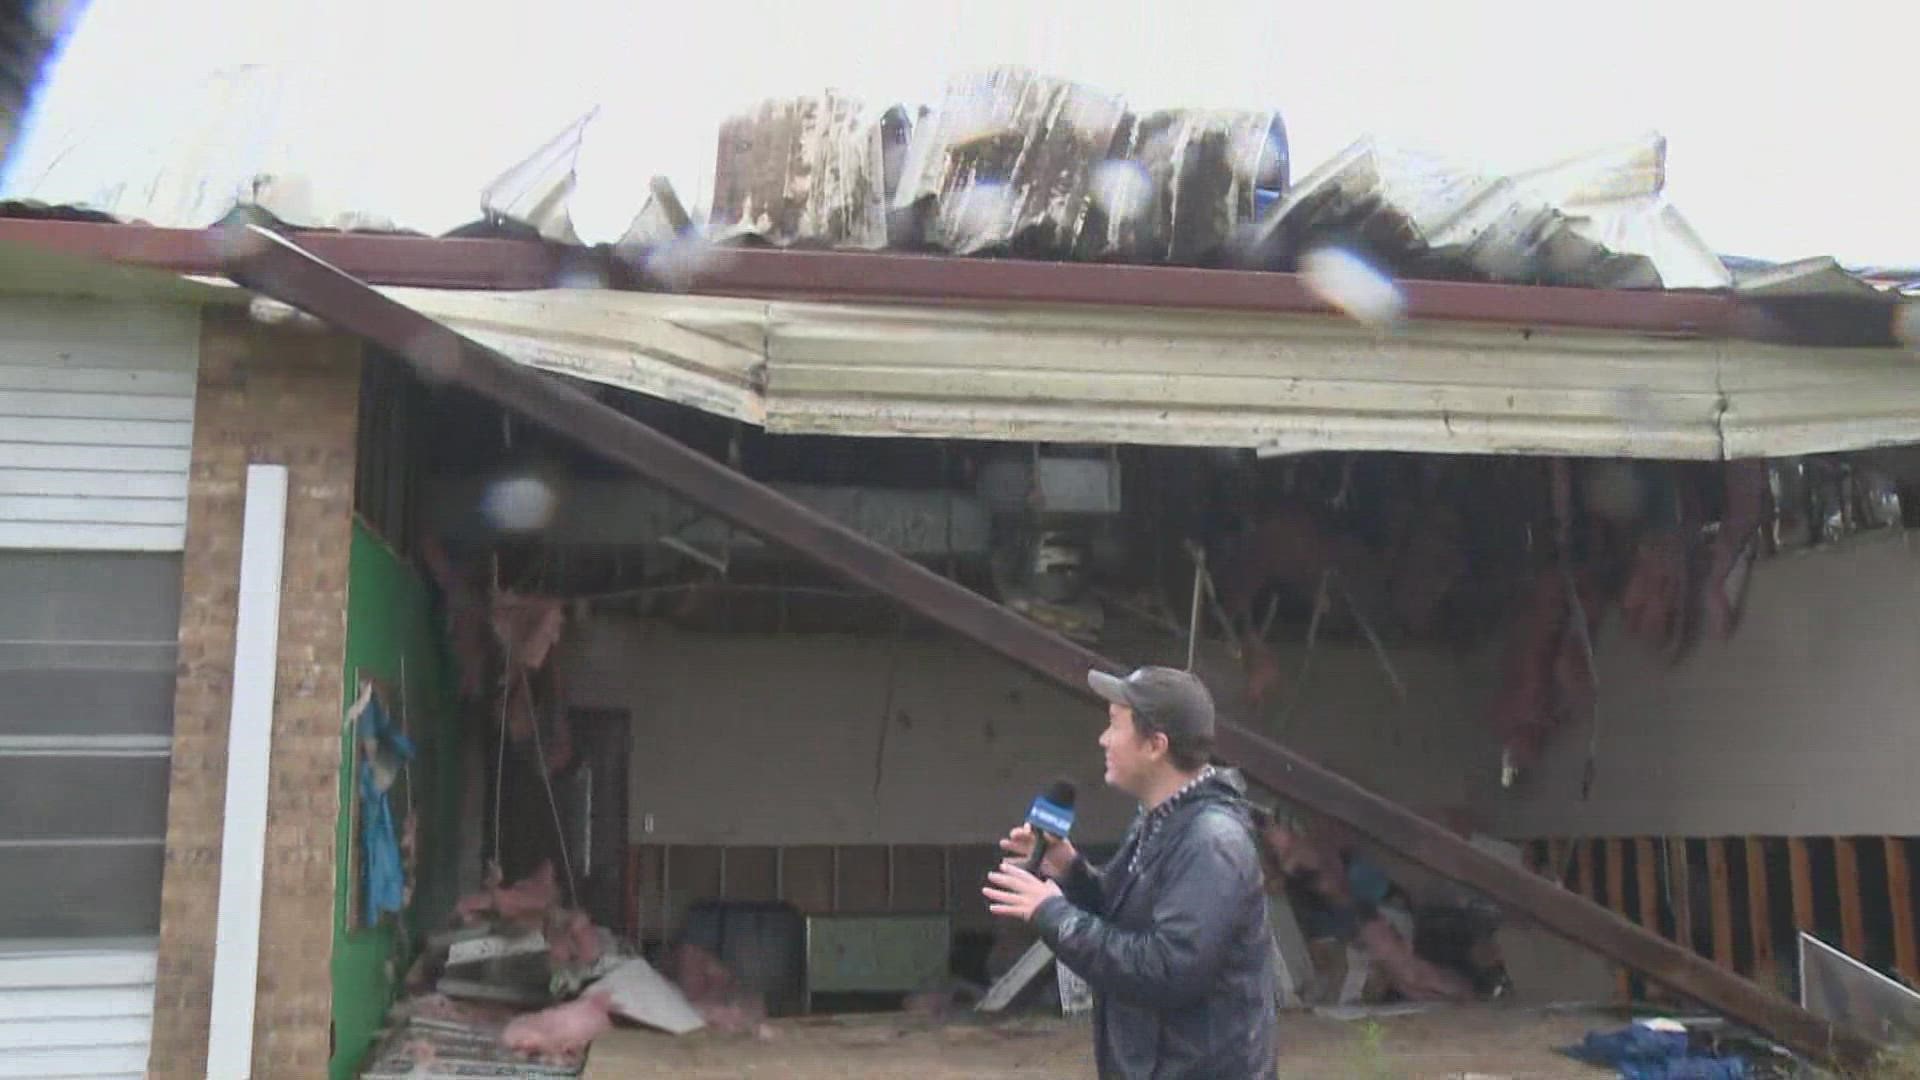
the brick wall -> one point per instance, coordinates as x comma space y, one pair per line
288, 398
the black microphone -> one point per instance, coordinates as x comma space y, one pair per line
1051, 819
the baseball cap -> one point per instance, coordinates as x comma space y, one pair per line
1173, 701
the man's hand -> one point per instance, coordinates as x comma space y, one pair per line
1055, 863
1012, 893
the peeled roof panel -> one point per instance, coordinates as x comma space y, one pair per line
1278, 384
1597, 221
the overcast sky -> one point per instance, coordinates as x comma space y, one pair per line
1788, 125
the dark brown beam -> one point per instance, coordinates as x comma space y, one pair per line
270, 265
383, 259
892, 278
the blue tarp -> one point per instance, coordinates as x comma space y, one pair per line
1643, 1053
384, 884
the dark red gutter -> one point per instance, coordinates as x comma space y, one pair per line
894, 278
386, 260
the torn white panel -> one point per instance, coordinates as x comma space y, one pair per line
644, 996
535, 191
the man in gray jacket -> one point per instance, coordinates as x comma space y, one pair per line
1172, 933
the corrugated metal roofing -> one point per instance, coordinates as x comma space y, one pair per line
1597, 220
1273, 383
1009, 159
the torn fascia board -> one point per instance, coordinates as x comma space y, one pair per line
1598, 220
1007, 161
536, 191
808, 171
1154, 377
1181, 183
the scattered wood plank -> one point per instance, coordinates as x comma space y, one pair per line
1760, 914
1024, 970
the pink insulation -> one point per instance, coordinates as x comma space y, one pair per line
561, 1034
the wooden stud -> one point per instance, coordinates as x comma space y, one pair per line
1583, 882
864, 883
1800, 866
1680, 888
630, 887
1760, 913
1906, 952
1617, 900
1649, 875
1720, 893
1557, 853
1853, 916
753, 873
1647, 879
806, 879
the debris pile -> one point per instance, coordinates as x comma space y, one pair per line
1346, 933
432, 1037
525, 985
714, 993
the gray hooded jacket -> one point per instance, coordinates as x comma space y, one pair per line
1172, 937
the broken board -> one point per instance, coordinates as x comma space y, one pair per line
1024, 971
645, 996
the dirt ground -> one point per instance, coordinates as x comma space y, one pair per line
1481, 1043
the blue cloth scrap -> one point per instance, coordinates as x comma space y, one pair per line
384, 885
1641, 1053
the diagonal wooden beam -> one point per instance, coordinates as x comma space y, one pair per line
270, 265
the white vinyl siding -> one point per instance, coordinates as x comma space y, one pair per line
96, 428
76, 1009
96, 423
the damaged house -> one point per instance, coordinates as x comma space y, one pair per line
732, 582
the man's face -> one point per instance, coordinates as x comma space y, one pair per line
1132, 761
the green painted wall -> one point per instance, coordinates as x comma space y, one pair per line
391, 616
